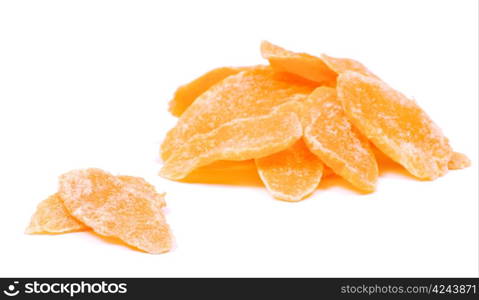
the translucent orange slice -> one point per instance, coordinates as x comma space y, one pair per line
302, 64
51, 216
291, 174
341, 65
112, 208
240, 139
186, 94
247, 94
337, 143
395, 124
458, 161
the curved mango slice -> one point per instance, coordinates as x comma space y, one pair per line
240, 139
395, 124
247, 94
292, 174
337, 143
341, 65
112, 208
307, 66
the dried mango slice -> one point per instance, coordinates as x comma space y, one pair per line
291, 174
337, 143
458, 161
186, 94
302, 64
247, 94
240, 139
51, 216
112, 208
395, 124
341, 65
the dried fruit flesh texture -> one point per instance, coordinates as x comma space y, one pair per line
458, 161
291, 174
186, 94
247, 94
112, 208
51, 216
240, 139
310, 67
337, 143
341, 65
395, 124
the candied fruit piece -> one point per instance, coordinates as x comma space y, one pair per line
341, 65
301, 64
337, 143
291, 174
247, 94
51, 216
395, 124
186, 94
458, 161
112, 208
240, 139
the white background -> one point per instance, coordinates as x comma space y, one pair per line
86, 84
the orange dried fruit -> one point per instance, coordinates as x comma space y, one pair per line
458, 161
337, 143
341, 65
247, 94
186, 94
395, 124
310, 67
51, 216
240, 139
112, 208
291, 174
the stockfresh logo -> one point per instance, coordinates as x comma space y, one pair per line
12, 290
71, 289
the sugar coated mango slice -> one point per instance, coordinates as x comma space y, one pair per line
112, 208
337, 143
247, 94
240, 139
301, 64
341, 65
186, 94
291, 174
395, 124
458, 161
51, 216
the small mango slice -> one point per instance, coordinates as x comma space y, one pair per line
292, 174
337, 143
301, 64
52, 217
458, 161
247, 94
341, 65
395, 124
186, 94
240, 139
112, 208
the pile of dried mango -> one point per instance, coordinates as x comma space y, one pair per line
297, 115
